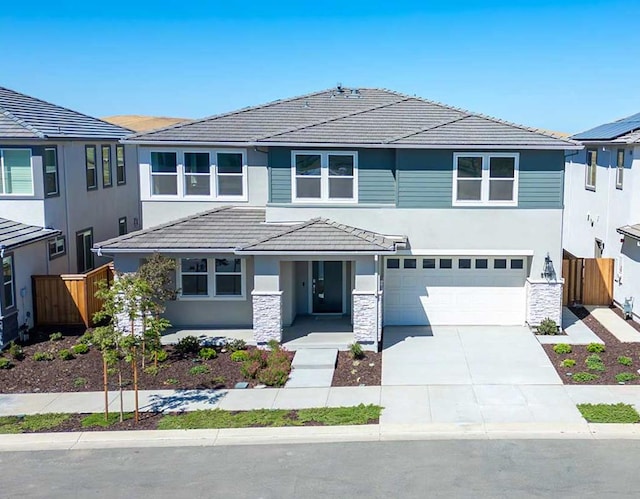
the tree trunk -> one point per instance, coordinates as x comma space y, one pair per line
106, 388
135, 385
121, 397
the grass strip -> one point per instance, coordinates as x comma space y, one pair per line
97, 419
32, 423
609, 413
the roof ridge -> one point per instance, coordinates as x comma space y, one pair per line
65, 108
425, 129
291, 229
23, 123
328, 120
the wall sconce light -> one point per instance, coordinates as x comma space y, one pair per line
548, 271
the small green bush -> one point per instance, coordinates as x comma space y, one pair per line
547, 327
218, 381
236, 345
568, 363
16, 351
66, 354
273, 345
86, 338
5, 363
356, 351
256, 360
239, 356
195, 370
585, 377
43, 356
207, 353
188, 345
55, 336
594, 362
152, 370
80, 381
274, 375
609, 413
625, 377
162, 355
625, 361
562, 348
171, 381
595, 348
80, 348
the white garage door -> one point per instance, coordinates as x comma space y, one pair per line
454, 291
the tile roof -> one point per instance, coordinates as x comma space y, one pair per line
629, 138
609, 131
14, 234
367, 116
22, 116
632, 231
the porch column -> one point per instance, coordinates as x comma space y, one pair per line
544, 300
267, 300
366, 312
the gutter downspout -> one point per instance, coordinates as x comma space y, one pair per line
378, 301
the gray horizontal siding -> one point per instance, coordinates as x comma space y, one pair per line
541, 179
376, 180
424, 178
279, 175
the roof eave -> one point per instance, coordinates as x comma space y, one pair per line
315, 252
105, 250
40, 237
621, 230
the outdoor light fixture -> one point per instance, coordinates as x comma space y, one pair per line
548, 272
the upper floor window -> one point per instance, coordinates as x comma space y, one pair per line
164, 173
121, 174
619, 168
90, 161
485, 179
57, 247
107, 180
325, 176
16, 175
50, 161
590, 174
229, 174
197, 174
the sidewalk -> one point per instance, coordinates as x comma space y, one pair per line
615, 324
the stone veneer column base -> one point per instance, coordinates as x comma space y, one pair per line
544, 300
267, 316
367, 324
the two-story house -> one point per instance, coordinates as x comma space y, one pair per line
66, 172
602, 214
361, 203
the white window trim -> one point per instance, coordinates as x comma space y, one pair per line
485, 179
213, 173
12, 281
211, 281
45, 173
588, 166
57, 253
620, 169
2, 171
324, 178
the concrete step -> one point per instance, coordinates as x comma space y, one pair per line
315, 358
310, 378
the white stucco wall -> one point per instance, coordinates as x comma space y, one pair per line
27, 261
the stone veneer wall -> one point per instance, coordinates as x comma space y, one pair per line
267, 316
544, 299
366, 318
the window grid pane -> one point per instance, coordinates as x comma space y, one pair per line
120, 165
393, 263
7, 272
92, 178
50, 172
106, 166
15, 176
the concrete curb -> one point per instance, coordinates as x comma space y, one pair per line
312, 434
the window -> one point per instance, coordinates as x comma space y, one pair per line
7, 273
409, 263
90, 161
107, 180
228, 277
619, 168
16, 175
393, 263
50, 165
121, 173
517, 264
194, 277
197, 177
84, 243
122, 226
324, 176
464, 263
483, 178
590, 179
164, 173
57, 247
500, 263
230, 174
429, 263
482, 263
445, 263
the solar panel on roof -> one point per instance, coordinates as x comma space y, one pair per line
611, 130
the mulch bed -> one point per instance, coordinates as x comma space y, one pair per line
366, 371
614, 349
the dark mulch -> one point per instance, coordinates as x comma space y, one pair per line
85, 372
349, 372
614, 349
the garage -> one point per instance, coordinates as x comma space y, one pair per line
454, 290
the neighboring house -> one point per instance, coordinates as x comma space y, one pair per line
366, 203
68, 172
140, 123
23, 252
602, 214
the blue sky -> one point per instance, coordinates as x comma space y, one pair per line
561, 65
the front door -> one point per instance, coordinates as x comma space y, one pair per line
327, 287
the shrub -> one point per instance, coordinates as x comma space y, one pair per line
80, 348
547, 327
274, 375
595, 348
271, 368
5, 363
162, 355
585, 377
195, 370
218, 381
235, 345
152, 370
66, 354
43, 356
171, 381
187, 345
594, 363
273, 345
625, 377
16, 351
239, 356
80, 381
562, 348
625, 361
207, 353
250, 368
55, 336
356, 351
568, 363
86, 338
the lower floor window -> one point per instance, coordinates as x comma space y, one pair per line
228, 281
7, 279
218, 277
194, 277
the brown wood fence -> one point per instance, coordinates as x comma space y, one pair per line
588, 281
68, 299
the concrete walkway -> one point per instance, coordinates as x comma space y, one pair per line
578, 333
615, 324
312, 367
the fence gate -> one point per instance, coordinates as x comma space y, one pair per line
588, 281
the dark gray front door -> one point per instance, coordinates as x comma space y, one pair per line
327, 287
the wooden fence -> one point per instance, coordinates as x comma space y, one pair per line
68, 299
588, 281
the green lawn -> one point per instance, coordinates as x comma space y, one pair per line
38, 422
609, 413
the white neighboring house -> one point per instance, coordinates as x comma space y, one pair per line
602, 202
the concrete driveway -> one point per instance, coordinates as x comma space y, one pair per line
464, 355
